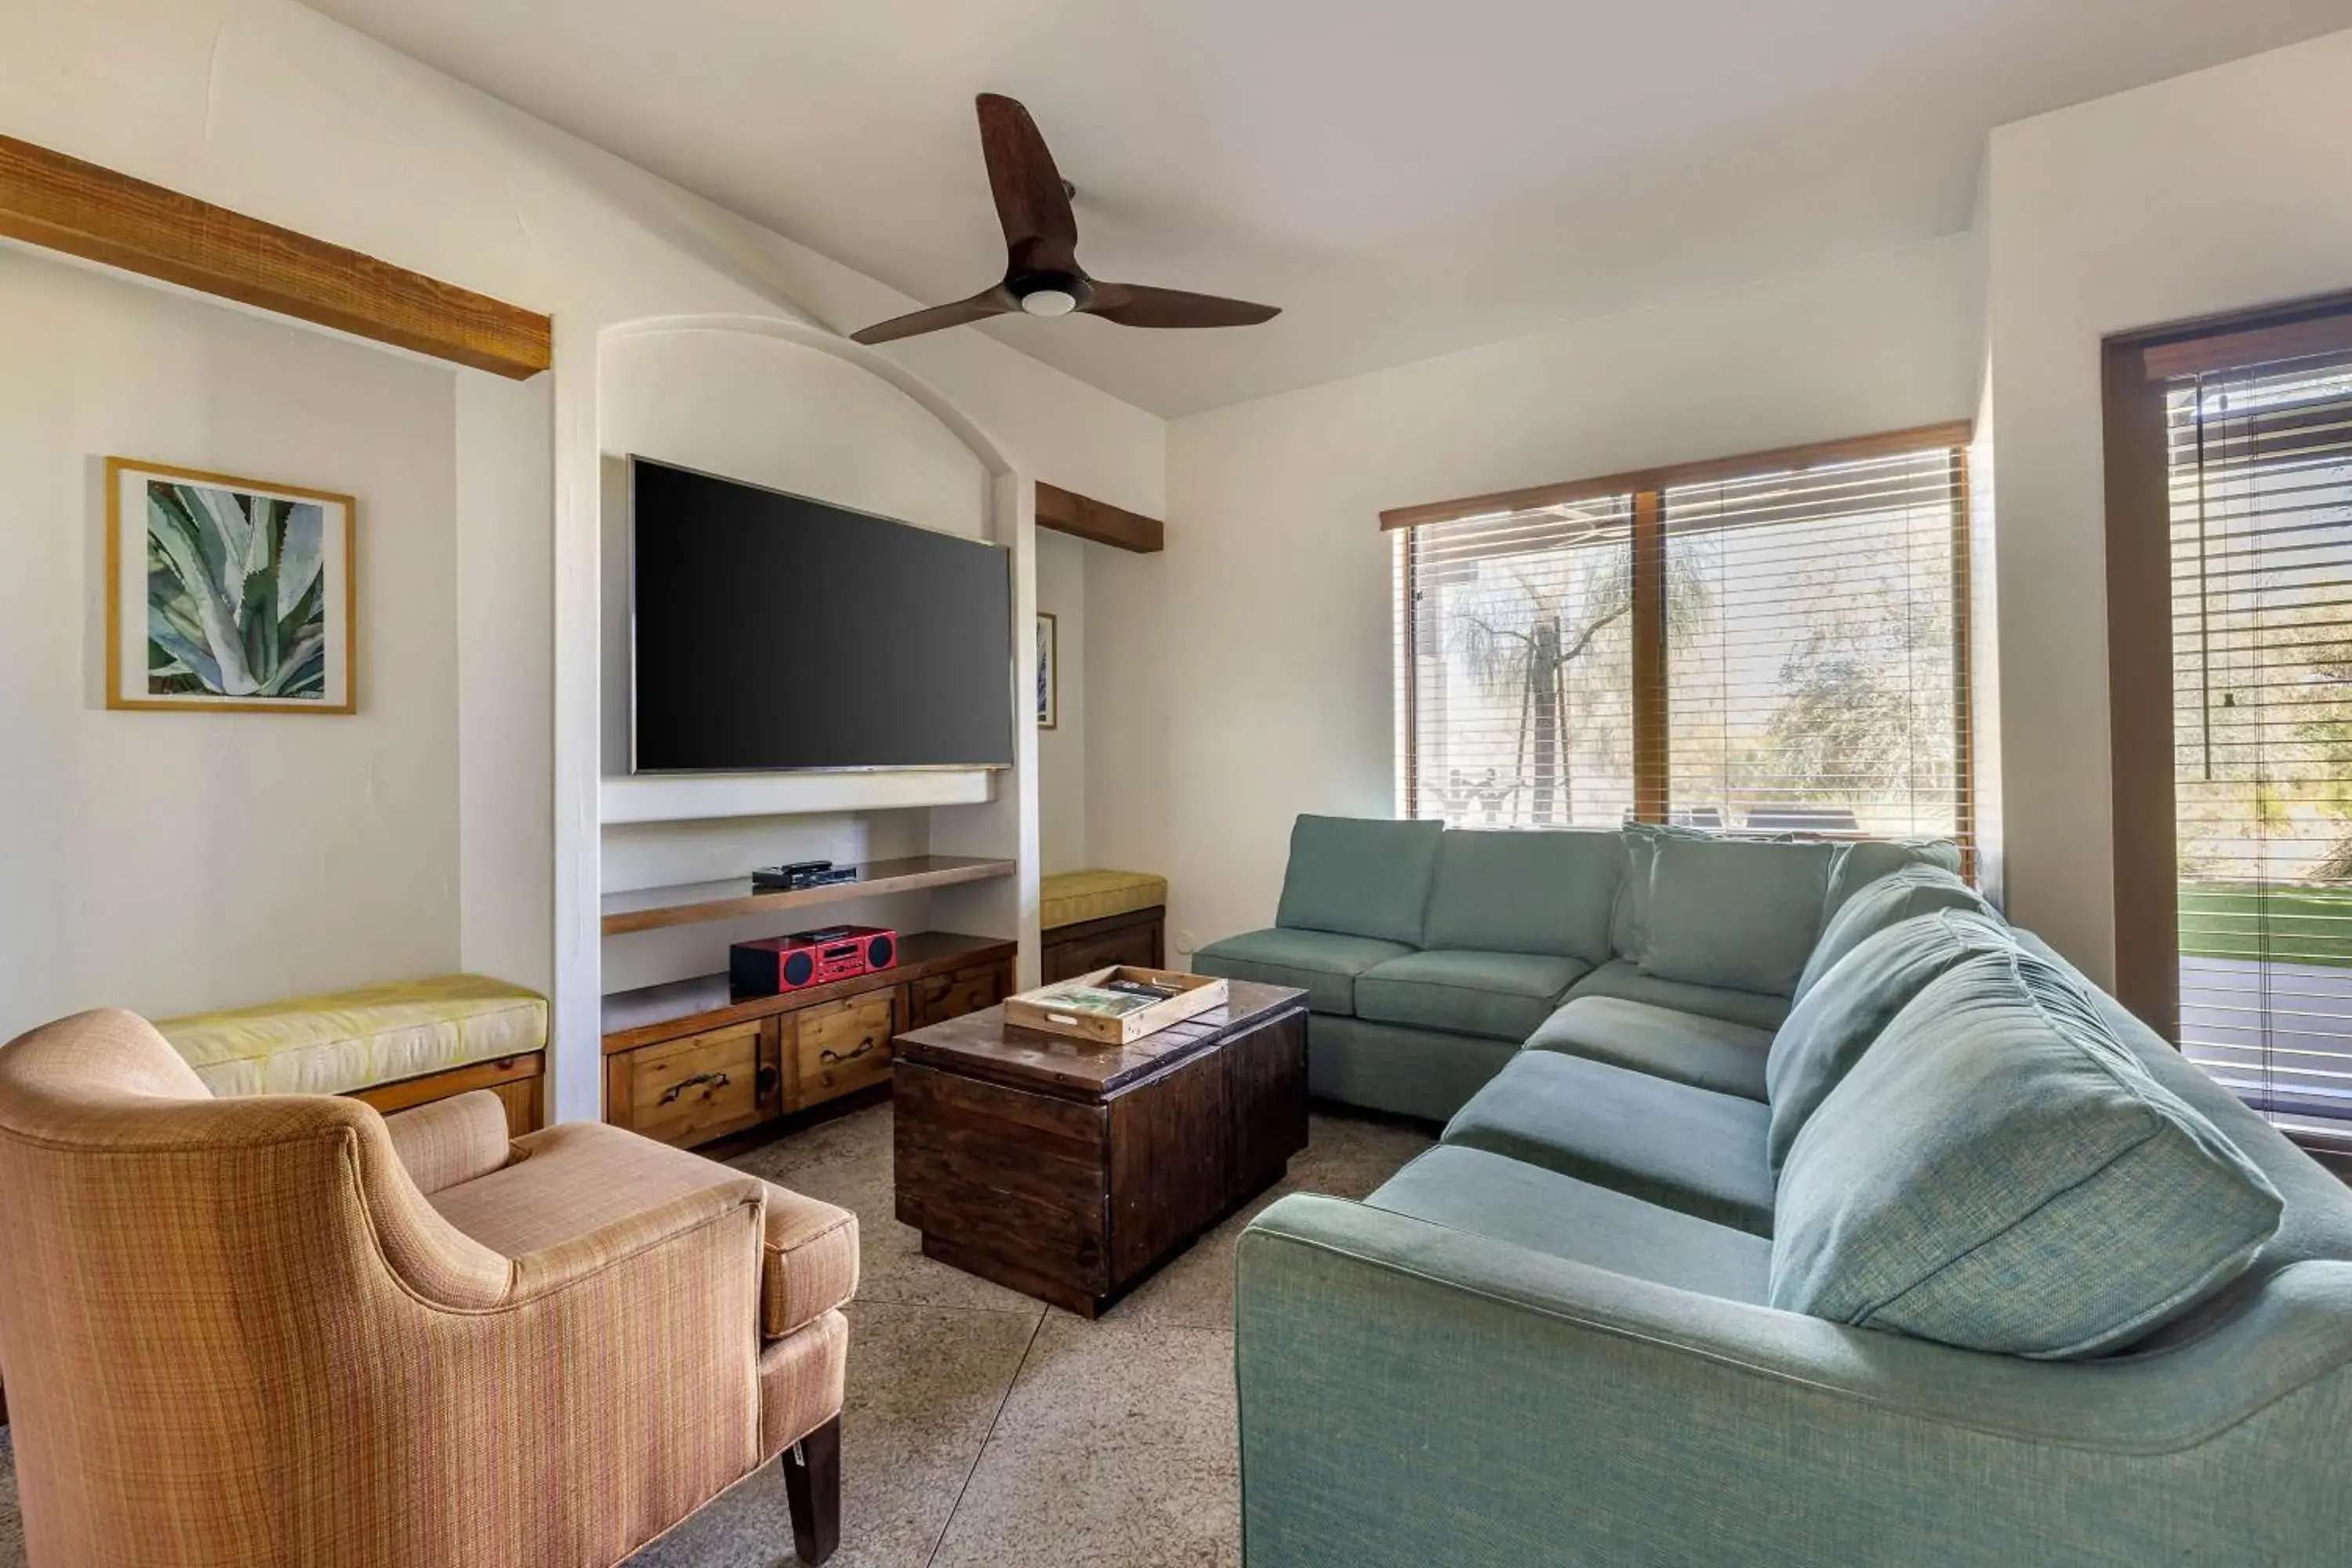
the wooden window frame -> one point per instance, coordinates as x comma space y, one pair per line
1653, 761
2135, 368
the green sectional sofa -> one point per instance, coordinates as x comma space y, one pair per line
1816, 1216
1430, 955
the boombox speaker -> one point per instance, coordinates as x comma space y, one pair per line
779, 964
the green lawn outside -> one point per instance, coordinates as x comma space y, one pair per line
2290, 923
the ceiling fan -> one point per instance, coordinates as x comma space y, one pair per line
1042, 276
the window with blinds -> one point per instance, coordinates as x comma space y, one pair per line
1768, 645
2259, 471
1514, 637
1814, 678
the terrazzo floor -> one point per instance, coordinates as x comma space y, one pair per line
984, 1427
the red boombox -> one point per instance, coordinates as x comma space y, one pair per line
807, 958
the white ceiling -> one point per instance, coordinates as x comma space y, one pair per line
1405, 177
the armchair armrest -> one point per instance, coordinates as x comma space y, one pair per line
1410, 1393
689, 1222
450, 1141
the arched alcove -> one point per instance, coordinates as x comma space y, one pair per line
779, 403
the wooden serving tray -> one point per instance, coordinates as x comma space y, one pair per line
1035, 1009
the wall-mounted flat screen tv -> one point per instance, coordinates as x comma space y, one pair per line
769, 631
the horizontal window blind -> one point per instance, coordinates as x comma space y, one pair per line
2259, 467
1773, 646
1513, 659
1816, 669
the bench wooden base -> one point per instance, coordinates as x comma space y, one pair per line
1135, 938
518, 1080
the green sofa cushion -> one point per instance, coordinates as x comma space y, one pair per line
1534, 892
1360, 877
1897, 896
1421, 1073
1734, 912
1509, 1200
1322, 964
1501, 995
1862, 861
1708, 1053
2000, 1173
1847, 1010
1686, 1149
1629, 911
1623, 977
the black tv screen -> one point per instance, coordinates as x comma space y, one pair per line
776, 632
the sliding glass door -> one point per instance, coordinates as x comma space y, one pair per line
2259, 469
2230, 542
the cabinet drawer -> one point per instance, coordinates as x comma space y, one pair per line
938, 997
843, 1045
692, 1091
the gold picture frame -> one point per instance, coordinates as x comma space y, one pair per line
189, 648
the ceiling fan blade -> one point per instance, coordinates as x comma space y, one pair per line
1030, 202
979, 308
1134, 305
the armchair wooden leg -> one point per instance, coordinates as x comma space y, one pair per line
812, 1486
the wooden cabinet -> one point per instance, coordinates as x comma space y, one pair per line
1137, 937
688, 1090
692, 1061
938, 997
843, 1045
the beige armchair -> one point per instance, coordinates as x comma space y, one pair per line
286, 1332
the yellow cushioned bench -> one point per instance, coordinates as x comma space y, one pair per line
345, 1041
1067, 898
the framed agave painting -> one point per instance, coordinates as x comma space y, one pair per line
226, 593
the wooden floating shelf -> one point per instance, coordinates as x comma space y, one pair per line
650, 909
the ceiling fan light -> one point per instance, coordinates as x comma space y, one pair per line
1049, 302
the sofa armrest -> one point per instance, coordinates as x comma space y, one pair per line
1410, 1393
450, 1141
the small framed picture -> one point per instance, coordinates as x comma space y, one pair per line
1049, 679
227, 594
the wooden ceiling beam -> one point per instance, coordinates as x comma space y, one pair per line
1066, 511
82, 209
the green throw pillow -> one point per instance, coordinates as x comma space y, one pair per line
1360, 875
1846, 1009
1913, 890
1734, 912
2000, 1173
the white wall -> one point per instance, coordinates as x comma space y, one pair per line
175, 861
506, 654
2222, 190
1062, 751
272, 109
1250, 675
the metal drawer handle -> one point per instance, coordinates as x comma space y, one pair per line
830, 1055
715, 1079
